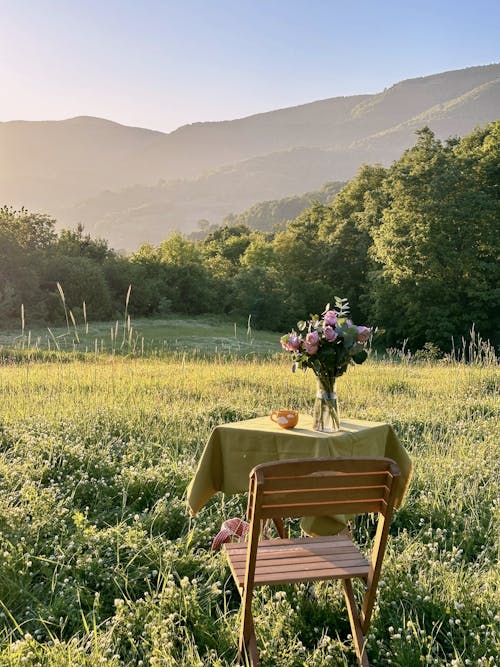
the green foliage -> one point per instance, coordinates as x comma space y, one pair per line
356, 212
19, 281
437, 244
299, 251
77, 244
31, 231
225, 246
82, 279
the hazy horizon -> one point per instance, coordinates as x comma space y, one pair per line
164, 65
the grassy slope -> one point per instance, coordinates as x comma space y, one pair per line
101, 564
173, 333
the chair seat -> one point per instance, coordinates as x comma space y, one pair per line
300, 559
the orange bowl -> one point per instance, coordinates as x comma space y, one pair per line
285, 418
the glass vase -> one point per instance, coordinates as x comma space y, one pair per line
326, 413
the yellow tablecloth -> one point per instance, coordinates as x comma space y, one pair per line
234, 449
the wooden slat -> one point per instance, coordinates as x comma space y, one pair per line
306, 564
340, 537
292, 542
317, 575
330, 480
328, 571
321, 509
312, 547
309, 564
323, 495
240, 557
300, 467
271, 546
310, 575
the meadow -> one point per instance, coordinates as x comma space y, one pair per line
102, 565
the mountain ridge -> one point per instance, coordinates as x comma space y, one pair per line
133, 184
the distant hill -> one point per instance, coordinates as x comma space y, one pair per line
266, 215
133, 185
49, 164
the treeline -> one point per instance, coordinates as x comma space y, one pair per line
414, 247
268, 215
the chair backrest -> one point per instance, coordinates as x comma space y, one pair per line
323, 486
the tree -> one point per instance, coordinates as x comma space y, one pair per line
224, 247
347, 234
258, 291
178, 251
221, 254
81, 279
437, 244
259, 252
31, 231
19, 283
257, 288
23, 236
74, 243
300, 255
149, 280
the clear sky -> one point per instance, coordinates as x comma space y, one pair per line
164, 63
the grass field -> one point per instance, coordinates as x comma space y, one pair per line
101, 564
201, 335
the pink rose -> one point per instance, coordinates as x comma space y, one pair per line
312, 342
330, 317
363, 334
290, 342
330, 334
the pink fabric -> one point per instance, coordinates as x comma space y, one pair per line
230, 528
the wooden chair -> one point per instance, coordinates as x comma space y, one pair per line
313, 487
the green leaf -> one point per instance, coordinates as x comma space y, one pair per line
361, 356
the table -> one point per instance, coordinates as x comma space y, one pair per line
234, 449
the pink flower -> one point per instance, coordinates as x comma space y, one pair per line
312, 342
363, 334
330, 334
290, 342
330, 317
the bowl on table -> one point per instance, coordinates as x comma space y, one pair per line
285, 418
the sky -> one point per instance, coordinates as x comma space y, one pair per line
161, 64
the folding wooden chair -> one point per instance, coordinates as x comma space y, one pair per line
313, 487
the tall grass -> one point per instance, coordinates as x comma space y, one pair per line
101, 563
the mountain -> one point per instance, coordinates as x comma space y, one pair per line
49, 164
133, 185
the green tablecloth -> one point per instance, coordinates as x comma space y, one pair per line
234, 449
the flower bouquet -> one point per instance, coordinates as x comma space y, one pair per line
328, 345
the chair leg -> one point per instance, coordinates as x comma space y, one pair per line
252, 651
280, 527
248, 653
357, 633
